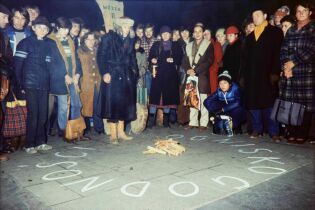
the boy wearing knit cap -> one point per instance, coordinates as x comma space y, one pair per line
32, 64
225, 105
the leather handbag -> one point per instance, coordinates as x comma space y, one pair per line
75, 128
288, 112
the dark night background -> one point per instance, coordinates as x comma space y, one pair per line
213, 13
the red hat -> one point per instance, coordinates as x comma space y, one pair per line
232, 30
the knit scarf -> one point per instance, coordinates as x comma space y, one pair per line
259, 29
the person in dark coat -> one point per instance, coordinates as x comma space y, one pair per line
32, 63
297, 83
232, 56
119, 71
6, 58
261, 69
166, 56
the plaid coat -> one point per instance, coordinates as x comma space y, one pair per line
299, 47
146, 44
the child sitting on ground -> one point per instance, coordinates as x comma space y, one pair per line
225, 106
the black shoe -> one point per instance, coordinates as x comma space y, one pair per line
151, 121
166, 120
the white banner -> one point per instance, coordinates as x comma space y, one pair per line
111, 9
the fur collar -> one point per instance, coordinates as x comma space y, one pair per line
201, 51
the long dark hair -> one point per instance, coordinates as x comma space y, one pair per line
82, 41
22, 11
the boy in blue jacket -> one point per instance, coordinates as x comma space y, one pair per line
32, 59
225, 105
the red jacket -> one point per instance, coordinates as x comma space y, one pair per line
214, 68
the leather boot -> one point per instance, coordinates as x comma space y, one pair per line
121, 133
113, 133
151, 121
22, 142
166, 120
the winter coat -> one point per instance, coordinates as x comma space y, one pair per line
299, 47
166, 82
89, 81
228, 101
200, 63
59, 66
214, 68
117, 57
232, 60
32, 63
260, 67
11, 34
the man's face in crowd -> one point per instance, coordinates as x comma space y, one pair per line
63, 32
175, 36
4, 20
250, 28
139, 32
207, 35
166, 36
302, 13
231, 38
125, 30
259, 17
285, 26
198, 33
33, 14
75, 29
84, 31
149, 32
185, 34
18, 21
40, 31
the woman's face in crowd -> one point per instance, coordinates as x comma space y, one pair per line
224, 85
33, 14
198, 33
302, 13
40, 30
231, 38
149, 32
258, 17
285, 26
221, 38
166, 36
207, 35
18, 21
90, 41
185, 34
175, 36
139, 32
63, 32
125, 30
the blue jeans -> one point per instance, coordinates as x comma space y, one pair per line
97, 121
148, 81
153, 109
75, 107
257, 121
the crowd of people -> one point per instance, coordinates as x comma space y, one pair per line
65, 71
